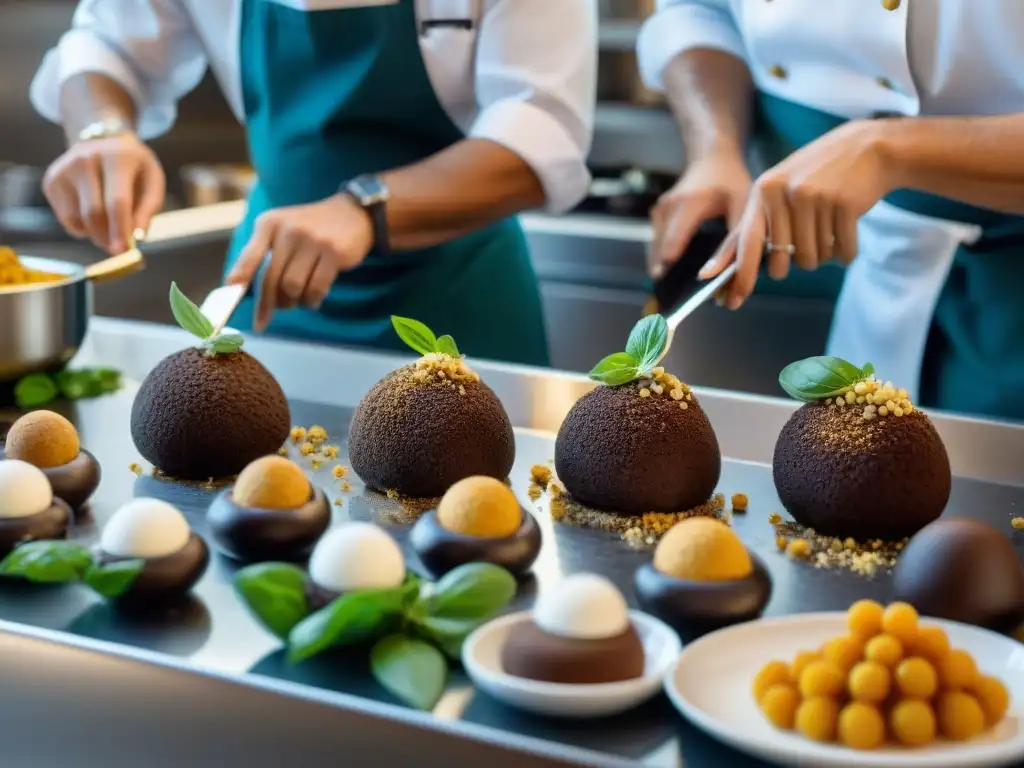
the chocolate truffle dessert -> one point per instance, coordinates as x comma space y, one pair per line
429, 424
640, 442
962, 570
207, 411
858, 459
579, 633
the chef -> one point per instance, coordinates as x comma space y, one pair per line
394, 141
897, 128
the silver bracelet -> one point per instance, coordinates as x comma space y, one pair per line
105, 128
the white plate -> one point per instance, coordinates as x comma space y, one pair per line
710, 685
481, 656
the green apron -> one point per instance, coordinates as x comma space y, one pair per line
974, 358
331, 94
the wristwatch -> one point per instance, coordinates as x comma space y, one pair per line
105, 128
371, 194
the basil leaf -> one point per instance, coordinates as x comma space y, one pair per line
867, 369
47, 562
34, 390
415, 334
647, 341
275, 593
225, 343
414, 671
113, 579
188, 315
616, 369
353, 618
474, 591
88, 382
446, 346
818, 378
446, 634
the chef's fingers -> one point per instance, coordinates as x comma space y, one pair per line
825, 216
681, 224
324, 275
283, 246
846, 235
251, 257
778, 240
749, 252
151, 189
118, 175
90, 201
723, 257
803, 207
297, 274
62, 196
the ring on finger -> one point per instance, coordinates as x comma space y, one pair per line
771, 247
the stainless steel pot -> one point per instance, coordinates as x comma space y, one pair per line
42, 325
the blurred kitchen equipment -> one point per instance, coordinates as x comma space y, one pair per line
625, 192
209, 184
618, 79
625, 9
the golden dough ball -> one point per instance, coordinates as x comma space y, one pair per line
869, 682
702, 549
900, 621
957, 671
844, 652
796, 669
864, 618
43, 438
960, 716
917, 678
861, 726
816, 718
931, 643
993, 697
885, 650
779, 704
271, 482
482, 507
912, 723
821, 678
772, 673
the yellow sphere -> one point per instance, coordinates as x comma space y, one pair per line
702, 549
482, 507
43, 438
271, 482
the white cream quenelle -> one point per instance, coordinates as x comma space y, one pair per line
582, 606
355, 556
24, 490
145, 528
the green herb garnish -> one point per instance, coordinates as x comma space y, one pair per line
421, 339
63, 562
112, 580
644, 348
39, 389
195, 322
819, 378
412, 628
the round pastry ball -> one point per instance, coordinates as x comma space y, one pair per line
418, 434
480, 506
271, 482
843, 475
702, 549
620, 452
198, 415
24, 489
42, 438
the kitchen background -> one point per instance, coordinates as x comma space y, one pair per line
591, 262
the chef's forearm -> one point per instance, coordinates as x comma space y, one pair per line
471, 184
976, 160
89, 97
711, 94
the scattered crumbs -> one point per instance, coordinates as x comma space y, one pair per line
774, 518
307, 448
798, 549
298, 434
540, 475
534, 492
136, 468
339, 502
739, 502
330, 451
316, 463
392, 494
282, 451
864, 558
338, 471
316, 434
345, 486
1017, 522
392, 507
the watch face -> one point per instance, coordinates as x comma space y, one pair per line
369, 190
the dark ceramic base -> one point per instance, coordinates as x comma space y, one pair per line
693, 608
440, 550
51, 523
164, 580
74, 482
253, 535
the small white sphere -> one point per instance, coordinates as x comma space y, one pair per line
24, 489
355, 556
583, 606
145, 528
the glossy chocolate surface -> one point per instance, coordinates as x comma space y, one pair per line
253, 534
532, 653
51, 523
695, 607
441, 550
164, 580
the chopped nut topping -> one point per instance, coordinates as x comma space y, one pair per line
307, 448
739, 502
338, 471
862, 558
540, 474
1017, 522
774, 518
136, 468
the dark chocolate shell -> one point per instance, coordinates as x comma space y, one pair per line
441, 550
251, 534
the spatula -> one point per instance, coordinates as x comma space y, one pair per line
221, 303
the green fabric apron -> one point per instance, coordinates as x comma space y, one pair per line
329, 95
975, 351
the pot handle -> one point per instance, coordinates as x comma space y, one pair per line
116, 266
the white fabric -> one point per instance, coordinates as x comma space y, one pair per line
852, 58
525, 76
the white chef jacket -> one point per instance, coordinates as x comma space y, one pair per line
524, 76
852, 58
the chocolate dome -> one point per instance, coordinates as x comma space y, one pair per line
844, 475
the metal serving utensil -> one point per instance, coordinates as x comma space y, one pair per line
221, 303
688, 307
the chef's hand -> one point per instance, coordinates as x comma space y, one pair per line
309, 246
714, 186
105, 189
806, 208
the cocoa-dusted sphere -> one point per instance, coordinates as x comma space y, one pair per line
849, 476
619, 451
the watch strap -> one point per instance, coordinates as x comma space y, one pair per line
370, 194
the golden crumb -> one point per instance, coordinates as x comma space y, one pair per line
339, 502
556, 490
282, 451
540, 474
136, 468
739, 502
1017, 522
798, 548
866, 558
330, 451
316, 434
393, 494
298, 434
345, 486
774, 518
306, 448
781, 543
339, 471
316, 463
534, 491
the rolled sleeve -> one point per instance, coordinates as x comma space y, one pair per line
536, 86
681, 25
148, 47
